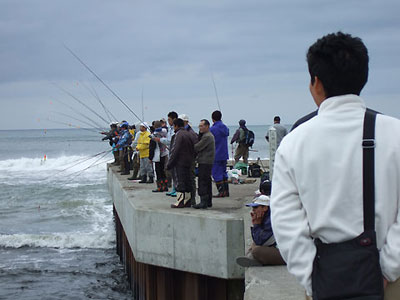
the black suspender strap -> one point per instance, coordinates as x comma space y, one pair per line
368, 145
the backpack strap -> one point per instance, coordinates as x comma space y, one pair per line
368, 145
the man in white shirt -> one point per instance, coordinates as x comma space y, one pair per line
317, 186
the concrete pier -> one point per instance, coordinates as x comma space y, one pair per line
188, 253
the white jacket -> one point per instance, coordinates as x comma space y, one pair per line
317, 186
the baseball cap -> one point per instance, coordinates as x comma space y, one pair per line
260, 200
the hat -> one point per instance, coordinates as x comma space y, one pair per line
242, 122
113, 123
184, 117
144, 124
260, 200
124, 124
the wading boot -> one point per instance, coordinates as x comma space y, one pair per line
226, 188
143, 179
134, 175
158, 189
164, 185
180, 201
116, 159
221, 190
171, 192
202, 204
151, 180
209, 200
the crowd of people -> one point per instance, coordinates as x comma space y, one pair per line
170, 150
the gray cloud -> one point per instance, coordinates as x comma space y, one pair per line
256, 50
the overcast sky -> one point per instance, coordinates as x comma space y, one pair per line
169, 49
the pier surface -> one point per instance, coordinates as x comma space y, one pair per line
190, 253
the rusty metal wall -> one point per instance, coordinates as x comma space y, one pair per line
150, 282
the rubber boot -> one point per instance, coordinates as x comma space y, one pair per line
134, 175
151, 180
180, 201
164, 185
116, 158
158, 189
171, 192
226, 188
220, 187
144, 179
202, 204
209, 200
188, 201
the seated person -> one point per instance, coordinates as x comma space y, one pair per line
264, 250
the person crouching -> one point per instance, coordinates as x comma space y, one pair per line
263, 250
181, 159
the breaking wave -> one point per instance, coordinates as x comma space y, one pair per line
99, 240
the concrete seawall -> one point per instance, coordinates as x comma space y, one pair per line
187, 253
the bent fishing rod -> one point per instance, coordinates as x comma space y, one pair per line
96, 96
95, 124
71, 125
76, 119
81, 102
103, 83
216, 93
91, 165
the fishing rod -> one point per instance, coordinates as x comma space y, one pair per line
79, 101
97, 96
97, 125
142, 106
71, 125
100, 163
91, 165
81, 160
99, 79
76, 119
216, 93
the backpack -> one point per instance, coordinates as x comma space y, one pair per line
254, 170
249, 138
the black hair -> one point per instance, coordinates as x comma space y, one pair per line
216, 115
265, 187
340, 62
205, 122
179, 122
277, 119
173, 115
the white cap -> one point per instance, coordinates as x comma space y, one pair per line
114, 123
184, 117
144, 124
260, 200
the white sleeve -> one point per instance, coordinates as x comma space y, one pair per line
289, 223
390, 252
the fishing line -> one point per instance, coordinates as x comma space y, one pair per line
107, 87
97, 96
91, 165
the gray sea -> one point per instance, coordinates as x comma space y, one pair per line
56, 224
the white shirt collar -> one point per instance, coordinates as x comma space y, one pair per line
341, 103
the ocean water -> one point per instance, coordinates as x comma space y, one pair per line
57, 236
56, 224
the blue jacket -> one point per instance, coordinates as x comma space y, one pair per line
262, 232
221, 134
126, 139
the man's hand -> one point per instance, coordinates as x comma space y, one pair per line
137, 149
257, 217
156, 139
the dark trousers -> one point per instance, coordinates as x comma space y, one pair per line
160, 169
205, 182
182, 178
127, 164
